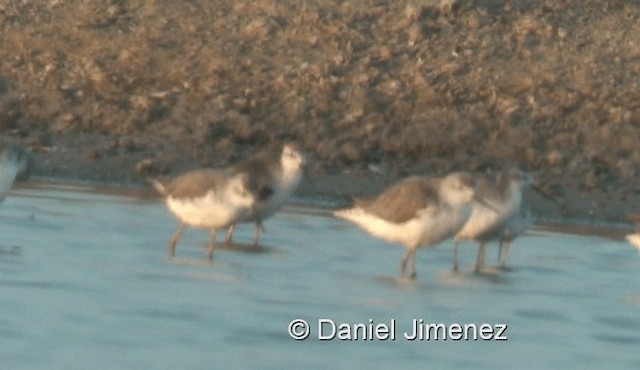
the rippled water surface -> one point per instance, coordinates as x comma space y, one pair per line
85, 284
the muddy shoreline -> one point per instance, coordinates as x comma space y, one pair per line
323, 205
113, 91
328, 192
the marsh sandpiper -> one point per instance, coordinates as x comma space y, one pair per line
275, 180
495, 222
209, 199
416, 212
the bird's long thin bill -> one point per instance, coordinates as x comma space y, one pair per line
546, 194
485, 203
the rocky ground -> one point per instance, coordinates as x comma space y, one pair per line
117, 90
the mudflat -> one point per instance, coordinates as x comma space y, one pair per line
115, 91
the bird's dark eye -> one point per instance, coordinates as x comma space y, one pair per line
239, 190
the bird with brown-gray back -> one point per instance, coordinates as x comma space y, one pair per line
416, 212
501, 221
275, 180
209, 199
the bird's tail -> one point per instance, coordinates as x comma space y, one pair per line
158, 186
340, 213
347, 214
634, 239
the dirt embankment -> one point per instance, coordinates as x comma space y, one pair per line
117, 90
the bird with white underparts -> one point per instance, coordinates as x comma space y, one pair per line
209, 199
274, 179
501, 221
416, 212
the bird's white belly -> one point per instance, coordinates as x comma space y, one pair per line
203, 212
443, 222
401, 233
634, 239
482, 221
430, 226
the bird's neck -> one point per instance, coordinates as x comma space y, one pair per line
290, 179
289, 175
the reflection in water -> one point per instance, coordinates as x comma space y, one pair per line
10, 251
85, 283
621, 322
543, 315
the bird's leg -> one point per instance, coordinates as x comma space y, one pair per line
504, 253
412, 275
256, 232
480, 258
403, 263
211, 247
455, 256
171, 247
230, 230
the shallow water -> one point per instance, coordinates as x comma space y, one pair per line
85, 284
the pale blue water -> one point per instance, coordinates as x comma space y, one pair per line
90, 287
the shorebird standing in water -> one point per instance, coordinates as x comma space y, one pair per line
210, 199
498, 222
634, 239
15, 163
416, 212
515, 226
275, 180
